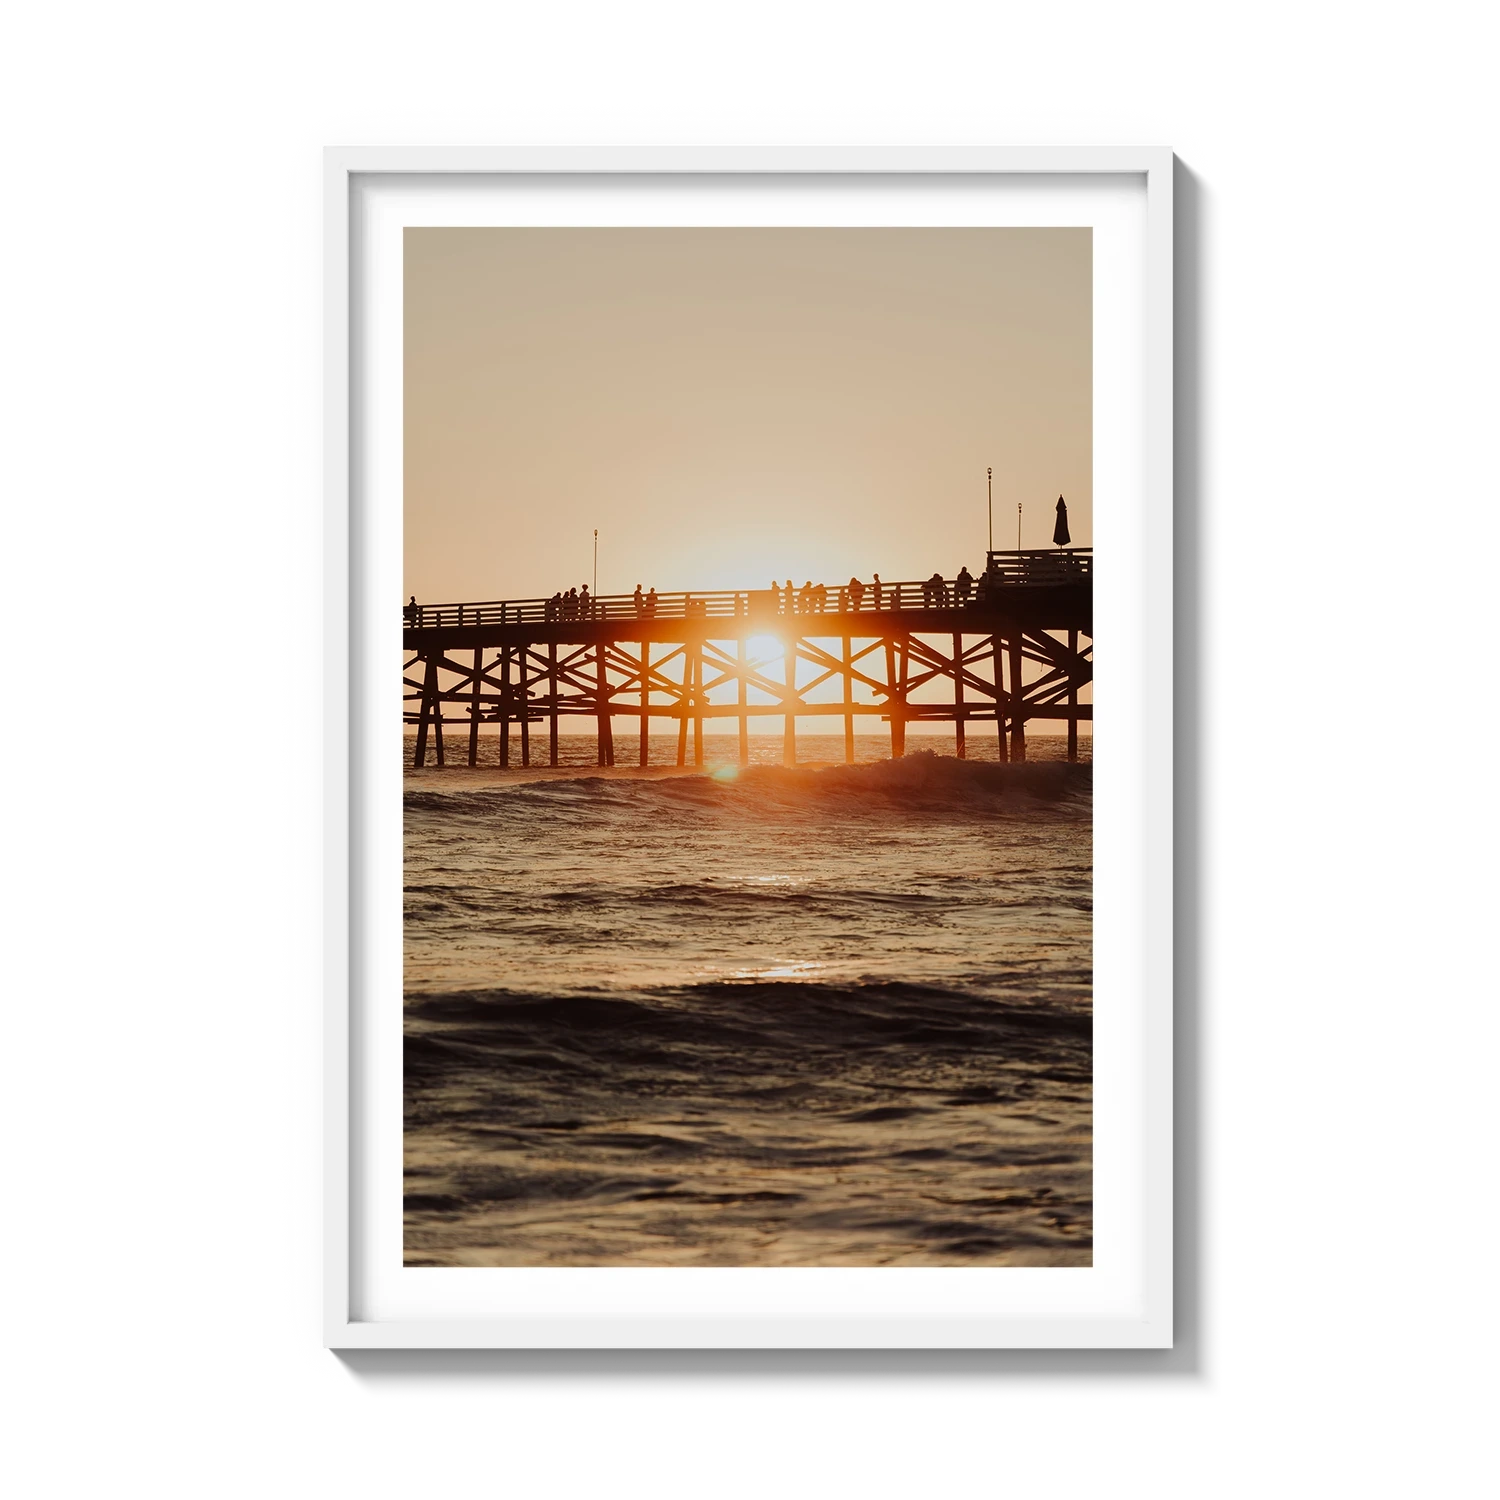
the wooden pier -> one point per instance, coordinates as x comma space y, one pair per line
1016, 652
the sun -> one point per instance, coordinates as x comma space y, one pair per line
764, 648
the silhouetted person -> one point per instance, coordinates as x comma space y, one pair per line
963, 586
856, 593
585, 604
876, 588
410, 613
651, 605
791, 597
640, 602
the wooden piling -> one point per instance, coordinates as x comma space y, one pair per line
474, 708
524, 689
552, 695
740, 655
849, 700
645, 748
997, 645
424, 714
904, 654
958, 696
897, 739
601, 707
1073, 695
789, 704
698, 704
505, 705
1017, 701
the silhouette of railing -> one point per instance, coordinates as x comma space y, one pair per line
1007, 570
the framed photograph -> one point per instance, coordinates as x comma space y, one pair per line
749, 910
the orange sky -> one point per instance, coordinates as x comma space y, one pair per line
729, 405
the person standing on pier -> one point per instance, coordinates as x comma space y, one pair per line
791, 598
856, 594
876, 588
640, 602
411, 613
651, 604
963, 586
585, 604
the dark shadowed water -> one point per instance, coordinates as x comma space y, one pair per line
764, 1017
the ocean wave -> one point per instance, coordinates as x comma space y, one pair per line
734, 1016
922, 780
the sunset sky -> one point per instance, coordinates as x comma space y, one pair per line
733, 405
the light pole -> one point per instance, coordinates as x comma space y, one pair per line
989, 483
1018, 525
596, 562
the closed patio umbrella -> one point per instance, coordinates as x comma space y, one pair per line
1060, 537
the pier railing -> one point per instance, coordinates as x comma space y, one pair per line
1007, 570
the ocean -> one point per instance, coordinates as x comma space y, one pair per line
830, 1015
